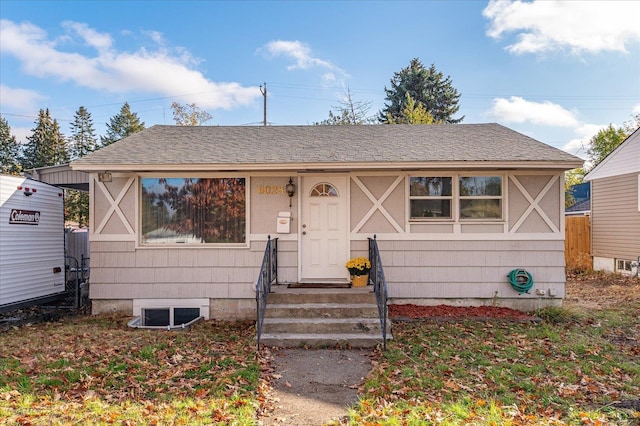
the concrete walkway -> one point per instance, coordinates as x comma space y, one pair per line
315, 386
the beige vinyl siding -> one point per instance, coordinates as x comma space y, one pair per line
468, 269
119, 271
615, 222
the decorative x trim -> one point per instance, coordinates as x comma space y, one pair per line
534, 204
115, 206
377, 204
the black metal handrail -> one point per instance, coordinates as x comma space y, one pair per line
376, 275
268, 275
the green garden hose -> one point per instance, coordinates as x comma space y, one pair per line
520, 280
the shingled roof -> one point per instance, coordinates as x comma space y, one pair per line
325, 147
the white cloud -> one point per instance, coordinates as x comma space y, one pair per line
301, 54
160, 71
21, 100
576, 147
636, 109
21, 133
518, 110
92, 38
577, 26
580, 145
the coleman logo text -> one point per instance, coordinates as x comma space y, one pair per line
24, 217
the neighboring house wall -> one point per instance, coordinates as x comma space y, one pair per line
426, 261
615, 220
615, 208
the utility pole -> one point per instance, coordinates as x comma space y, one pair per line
264, 95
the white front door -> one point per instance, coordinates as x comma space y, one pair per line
324, 243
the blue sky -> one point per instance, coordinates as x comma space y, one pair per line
556, 71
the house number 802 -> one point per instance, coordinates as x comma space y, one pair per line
270, 189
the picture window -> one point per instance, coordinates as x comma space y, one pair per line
193, 210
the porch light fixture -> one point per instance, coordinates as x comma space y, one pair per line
291, 190
104, 177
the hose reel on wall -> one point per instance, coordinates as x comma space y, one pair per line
521, 280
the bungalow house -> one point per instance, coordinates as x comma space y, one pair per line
615, 208
180, 216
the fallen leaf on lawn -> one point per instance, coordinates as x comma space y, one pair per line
452, 385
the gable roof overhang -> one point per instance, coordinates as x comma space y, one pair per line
603, 169
326, 148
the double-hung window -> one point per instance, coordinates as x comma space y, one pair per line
480, 197
430, 197
193, 210
457, 197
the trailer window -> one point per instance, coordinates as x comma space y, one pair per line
193, 210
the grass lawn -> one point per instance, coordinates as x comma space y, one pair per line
571, 368
95, 370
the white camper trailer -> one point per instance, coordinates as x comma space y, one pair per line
32, 258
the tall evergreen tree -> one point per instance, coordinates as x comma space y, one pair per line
426, 86
83, 141
47, 145
83, 136
76, 207
121, 125
9, 149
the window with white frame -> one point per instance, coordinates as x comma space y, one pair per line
430, 197
480, 197
624, 265
193, 210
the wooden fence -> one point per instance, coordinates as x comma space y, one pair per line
577, 243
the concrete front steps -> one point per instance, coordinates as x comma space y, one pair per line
318, 317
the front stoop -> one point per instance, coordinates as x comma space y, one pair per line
322, 318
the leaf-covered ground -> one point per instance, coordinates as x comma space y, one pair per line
579, 365
89, 370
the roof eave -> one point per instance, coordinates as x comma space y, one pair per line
337, 166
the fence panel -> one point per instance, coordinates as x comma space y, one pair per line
577, 243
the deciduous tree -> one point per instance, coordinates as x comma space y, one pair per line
412, 113
427, 86
189, 114
571, 177
349, 112
604, 142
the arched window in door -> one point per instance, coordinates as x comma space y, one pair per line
324, 190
